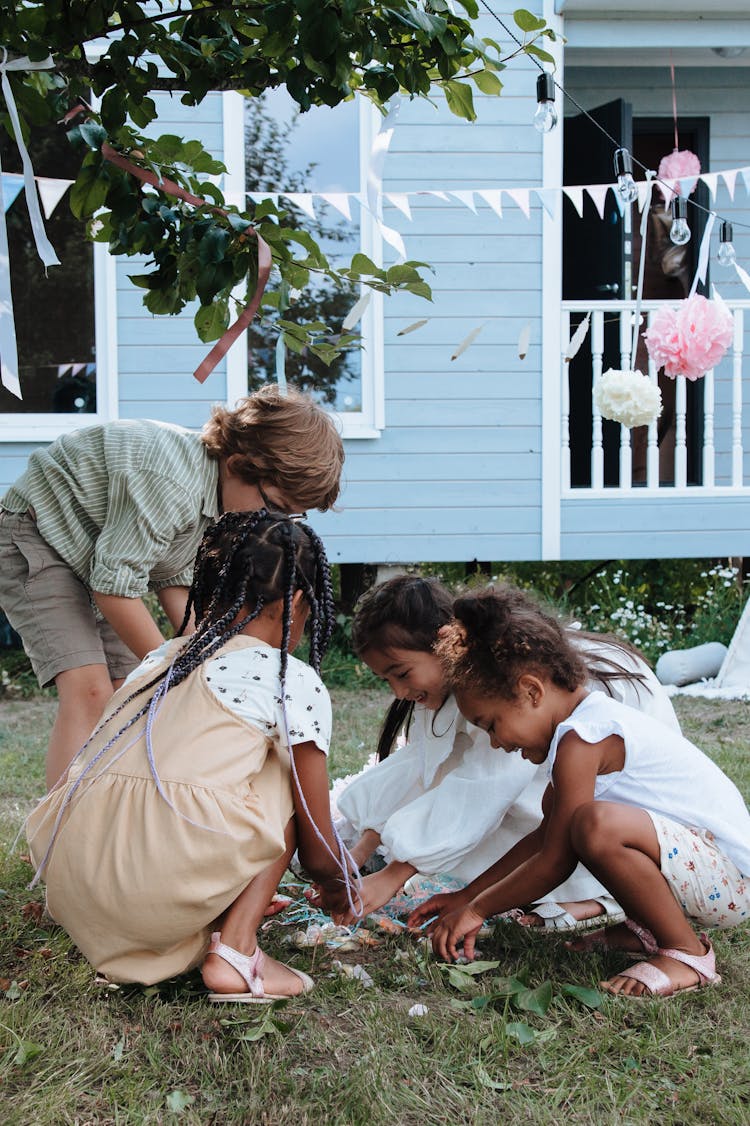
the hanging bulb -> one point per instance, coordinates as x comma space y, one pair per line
727, 254
679, 232
626, 185
545, 117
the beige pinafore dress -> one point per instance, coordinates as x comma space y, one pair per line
136, 885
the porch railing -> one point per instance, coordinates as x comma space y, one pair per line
713, 444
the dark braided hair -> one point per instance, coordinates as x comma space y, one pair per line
405, 612
246, 560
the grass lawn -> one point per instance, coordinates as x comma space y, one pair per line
512, 1044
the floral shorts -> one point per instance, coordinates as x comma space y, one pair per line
707, 885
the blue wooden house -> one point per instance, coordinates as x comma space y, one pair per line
475, 453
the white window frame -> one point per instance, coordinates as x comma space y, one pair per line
368, 422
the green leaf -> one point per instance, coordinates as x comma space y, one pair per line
521, 1032
27, 1050
527, 21
474, 968
93, 134
545, 56
361, 264
89, 192
119, 1048
211, 321
488, 82
591, 998
492, 1084
177, 1101
460, 99
535, 1000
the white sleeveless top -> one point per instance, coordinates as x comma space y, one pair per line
663, 772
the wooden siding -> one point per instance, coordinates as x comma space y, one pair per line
456, 473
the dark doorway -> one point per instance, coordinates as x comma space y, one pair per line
600, 262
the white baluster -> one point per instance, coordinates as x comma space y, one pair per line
597, 353
652, 449
626, 332
565, 401
680, 444
739, 328
709, 450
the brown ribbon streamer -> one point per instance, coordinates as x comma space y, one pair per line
222, 346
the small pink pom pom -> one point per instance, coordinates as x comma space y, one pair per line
681, 170
690, 339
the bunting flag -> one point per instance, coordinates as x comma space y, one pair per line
51, 192
12, 185
549, 199
521, 197
711, 180
575, 195
303, 200
339, 200
494, 198
730, 179
401, 201
467, 198
598, 194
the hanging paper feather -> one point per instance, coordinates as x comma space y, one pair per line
412, 327
467, 342
356, 311
523, 341
578, 338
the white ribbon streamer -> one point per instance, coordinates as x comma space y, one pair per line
700, 270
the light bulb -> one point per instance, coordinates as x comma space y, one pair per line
545, 117
679, 232
626, 185
727, 254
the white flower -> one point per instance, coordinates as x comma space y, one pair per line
628, 397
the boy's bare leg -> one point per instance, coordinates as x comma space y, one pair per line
82, 695
239, 929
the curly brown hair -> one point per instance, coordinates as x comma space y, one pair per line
501, 633
285, 439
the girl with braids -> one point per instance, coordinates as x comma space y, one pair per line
166, 842
649, 814
446, 803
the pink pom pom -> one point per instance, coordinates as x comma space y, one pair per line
690, 339
681, 170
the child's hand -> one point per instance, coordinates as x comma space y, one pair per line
451, 928
434, 910
332, 898
376, 890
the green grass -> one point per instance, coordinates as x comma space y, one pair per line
72, 1051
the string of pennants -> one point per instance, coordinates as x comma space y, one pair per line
51, 192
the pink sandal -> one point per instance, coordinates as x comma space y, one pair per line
657, 982
598, 940
250, 968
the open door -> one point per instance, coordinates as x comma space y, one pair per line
596, 267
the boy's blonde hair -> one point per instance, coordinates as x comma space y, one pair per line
287, 440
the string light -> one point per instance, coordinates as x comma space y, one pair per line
545, 117
679, 232
727, 254
626, 185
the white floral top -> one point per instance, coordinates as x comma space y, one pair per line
247, 682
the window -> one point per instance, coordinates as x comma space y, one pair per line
323, 151
62, 343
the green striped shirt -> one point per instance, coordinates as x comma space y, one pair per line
125, 504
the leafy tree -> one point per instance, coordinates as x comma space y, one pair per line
322, 51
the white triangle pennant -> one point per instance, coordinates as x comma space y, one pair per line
745, 173
339, 200
467, 198
439, 195
575, 195
743, 276
303, 200
521, 197
12, 185
394, 239
259, 197
493, 197
51, 192
549, 198
711, 180
730, 179
401, 201
598, 194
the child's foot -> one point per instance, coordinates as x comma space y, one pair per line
571, 916
666, 973
278, 980
628, 935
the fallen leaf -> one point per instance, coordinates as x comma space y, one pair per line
467, 342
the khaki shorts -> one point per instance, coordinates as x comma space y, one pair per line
707, 885
51, 608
